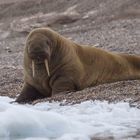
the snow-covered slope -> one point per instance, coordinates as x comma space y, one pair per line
47, 121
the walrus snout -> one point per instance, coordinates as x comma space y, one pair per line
38, 62
38, 50
38, 53
38, 58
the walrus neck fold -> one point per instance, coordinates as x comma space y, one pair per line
60, 53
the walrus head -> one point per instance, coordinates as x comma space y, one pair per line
38, 49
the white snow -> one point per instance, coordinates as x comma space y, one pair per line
51, 121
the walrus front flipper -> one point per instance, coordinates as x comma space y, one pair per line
63, 85
28, 94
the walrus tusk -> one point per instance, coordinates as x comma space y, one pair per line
47, 67
33, 68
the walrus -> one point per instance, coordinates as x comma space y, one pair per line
54, 64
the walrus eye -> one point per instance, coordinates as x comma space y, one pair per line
47, 67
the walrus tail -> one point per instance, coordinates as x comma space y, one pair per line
134, 65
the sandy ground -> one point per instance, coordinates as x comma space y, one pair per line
111, 24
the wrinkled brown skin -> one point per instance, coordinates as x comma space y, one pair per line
72, 67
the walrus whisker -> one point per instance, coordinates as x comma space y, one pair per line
47, 67
33, 68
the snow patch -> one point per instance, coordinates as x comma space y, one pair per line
46, 121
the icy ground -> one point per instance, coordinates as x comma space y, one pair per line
51, 121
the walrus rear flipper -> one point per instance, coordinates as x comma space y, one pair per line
28, 94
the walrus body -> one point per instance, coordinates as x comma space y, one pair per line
54, 64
